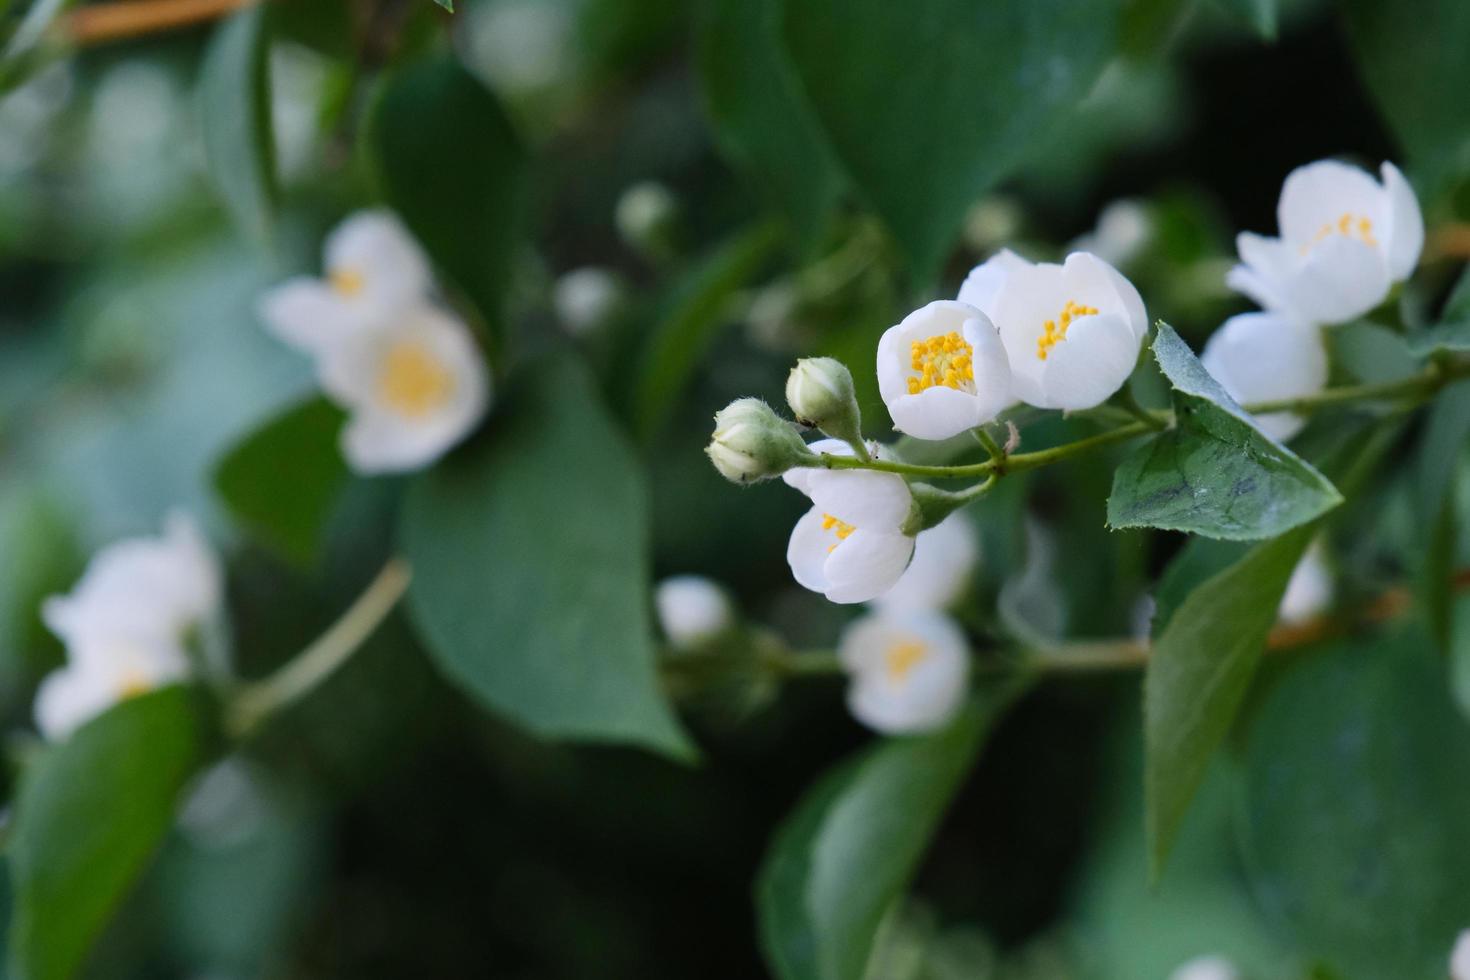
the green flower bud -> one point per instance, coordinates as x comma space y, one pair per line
820, 393
751, 442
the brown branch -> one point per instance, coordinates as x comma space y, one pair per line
1451, 241
121, 19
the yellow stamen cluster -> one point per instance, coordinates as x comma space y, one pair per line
1348, 225
838, 527
946, 360
902, 657
1055, 331
346, 281
132, 684
412, 381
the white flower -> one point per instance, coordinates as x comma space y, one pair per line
800, 476
1123, 230
942, 370
374, 271
1460, 957
1260, 357
1345, 240
944, 557
851, 545
692, 610
126, 623
908, 669
413, 387
1206, 968
1308, 591
585, 298
1072, 332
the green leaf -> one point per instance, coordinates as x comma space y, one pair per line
90, 814
1261, 15
452, 167
1411, 56
1354, 805
690, 319
1200, 667
446, 4
235, 108
287, 514
531, 569
760, 115
848, 851
1442, 446
1453, 331
928, 108
1214, 473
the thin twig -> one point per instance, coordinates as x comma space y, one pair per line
103, 22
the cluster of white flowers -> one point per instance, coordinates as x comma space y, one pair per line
128, 623
405, 369
1346, 240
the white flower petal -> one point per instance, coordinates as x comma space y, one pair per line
67, 698
1405, 224
1318, 194
982, 286
1309, 590
862, 498
905, 696
1340, 280
1260, 357
1093, 362
391, 267
308, 315
1092, 276
866, 564
807, 551
1460, 957
936, 413
944, 557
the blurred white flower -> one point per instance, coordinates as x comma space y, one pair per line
413, 388
851, 546
644, 215
127, 622
299, 77
374, 272
1308, 591
1072, 332
692, 610
584, 299
908, 670
26, 113
944, 558
991, 222
1460, 957
1206, 968
1260, 357
1123, 229
1345, 240
521, 46
943, 370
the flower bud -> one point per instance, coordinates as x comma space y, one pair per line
692, 611
820, 394
751, 442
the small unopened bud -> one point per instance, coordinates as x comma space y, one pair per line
820, 393
646, 216
751, 442
692, 611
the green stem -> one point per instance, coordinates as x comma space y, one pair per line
805, 663
992, 447
260, 700
1424, 384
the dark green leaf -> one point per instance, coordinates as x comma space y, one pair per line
235, 105
1442, 446
760, 115
531, 570
1200, 667
1446, 336
90, 814
1411, 55
929, 107
1354, 808
1371, 353
1214, 473
446, 4
286, 512
453, 169
1261, 15
689, 321
1198, 560
847, 852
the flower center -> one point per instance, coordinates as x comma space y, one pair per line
1348, 225
131, 684
901, 658
838, 527
346, 282
1054, 332
412, 381
946, 360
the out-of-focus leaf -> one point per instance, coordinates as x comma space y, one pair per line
283, 479
90, 814
1453, 331
1261, 15
1371, 353
1354, 804
849, 849
1442, 447
531, 570
453, 169
41, 557
930, 107
446, 4
1214, 473
760, 115
692, 315
1411, 55
1199, 560
235, 113
1201, 665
